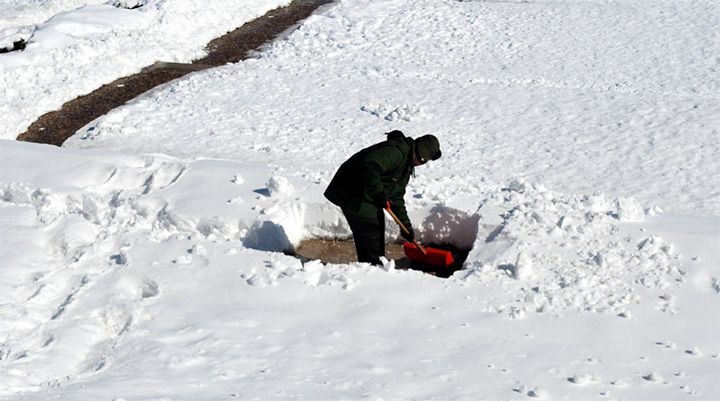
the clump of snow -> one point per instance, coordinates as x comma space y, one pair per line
523, 268
628, 209
315, 274
237, 179
279, 185
16, 193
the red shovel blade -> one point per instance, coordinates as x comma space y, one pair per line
432, 257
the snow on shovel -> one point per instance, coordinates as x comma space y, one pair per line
420, 254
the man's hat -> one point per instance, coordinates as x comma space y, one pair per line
427, 147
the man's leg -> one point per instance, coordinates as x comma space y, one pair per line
369, 236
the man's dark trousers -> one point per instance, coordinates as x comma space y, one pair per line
369, 236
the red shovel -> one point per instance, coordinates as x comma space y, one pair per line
418, 253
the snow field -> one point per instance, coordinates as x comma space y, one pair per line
501, 84
567, 129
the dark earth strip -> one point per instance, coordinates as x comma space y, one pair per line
55, 127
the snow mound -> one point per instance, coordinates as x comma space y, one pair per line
447, 225
553, 252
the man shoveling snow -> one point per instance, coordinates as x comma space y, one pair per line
374, 178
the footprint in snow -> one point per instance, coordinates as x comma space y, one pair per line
149, 289
666, 344
585, 378
536, 392
654, 377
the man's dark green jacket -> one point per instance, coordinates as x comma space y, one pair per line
383, 168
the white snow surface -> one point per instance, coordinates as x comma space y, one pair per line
144, 260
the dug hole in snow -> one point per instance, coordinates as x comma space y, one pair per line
548, 251
290, 225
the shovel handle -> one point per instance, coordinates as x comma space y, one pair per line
402, 227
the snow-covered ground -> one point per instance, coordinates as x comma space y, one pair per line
76, 46
579, 164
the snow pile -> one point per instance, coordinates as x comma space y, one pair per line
553, 252
93, 43
447, 225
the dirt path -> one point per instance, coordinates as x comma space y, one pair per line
55, 127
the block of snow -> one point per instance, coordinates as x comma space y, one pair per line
237, 179
278, 185
523, 267
628, 209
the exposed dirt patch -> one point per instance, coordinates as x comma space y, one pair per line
343, 251
129, 4
17, 45
55, 127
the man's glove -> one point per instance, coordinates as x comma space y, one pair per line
408, 236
